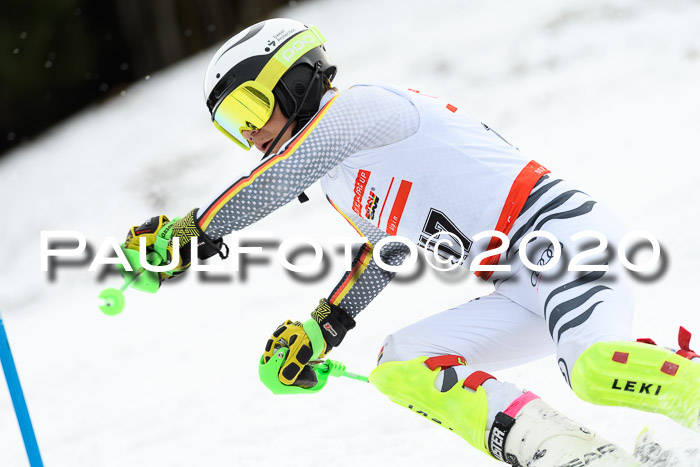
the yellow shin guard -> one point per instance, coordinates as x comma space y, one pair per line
412, 384
640, 376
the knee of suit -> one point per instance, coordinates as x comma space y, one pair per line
397, 347
388, 352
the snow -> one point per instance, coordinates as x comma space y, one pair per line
604, 93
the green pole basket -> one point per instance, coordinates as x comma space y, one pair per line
111, 300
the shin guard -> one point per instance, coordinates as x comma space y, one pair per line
640, 376
412, 384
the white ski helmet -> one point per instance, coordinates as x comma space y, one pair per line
277, 61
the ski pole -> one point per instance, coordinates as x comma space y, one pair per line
20, 405
112, 300
269, 374
336, 368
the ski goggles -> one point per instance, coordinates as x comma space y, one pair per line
249, 106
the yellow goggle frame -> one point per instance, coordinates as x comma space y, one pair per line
248, 107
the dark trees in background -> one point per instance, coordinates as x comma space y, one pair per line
57, 56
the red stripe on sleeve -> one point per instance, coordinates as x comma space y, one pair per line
352, 277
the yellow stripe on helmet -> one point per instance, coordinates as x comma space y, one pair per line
288, 54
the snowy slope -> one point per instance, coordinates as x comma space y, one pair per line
604, 93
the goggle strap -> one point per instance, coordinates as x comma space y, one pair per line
288, 55
318, 34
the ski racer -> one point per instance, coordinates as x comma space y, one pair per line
396, 162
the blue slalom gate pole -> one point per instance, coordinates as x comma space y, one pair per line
25, 424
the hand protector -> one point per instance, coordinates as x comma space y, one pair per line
310, 340
159, 231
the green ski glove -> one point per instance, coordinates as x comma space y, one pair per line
159, 232
307, 342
